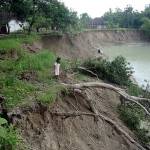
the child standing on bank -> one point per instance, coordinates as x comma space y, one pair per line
57, 67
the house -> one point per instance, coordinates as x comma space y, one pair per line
97, 23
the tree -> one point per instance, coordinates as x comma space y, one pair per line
41, 13
5, 10
146, 26
84, 20
146, 12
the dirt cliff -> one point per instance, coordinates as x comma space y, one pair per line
43, 130
85, 44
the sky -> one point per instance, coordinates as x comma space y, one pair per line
96, 8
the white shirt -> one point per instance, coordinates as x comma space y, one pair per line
57, 67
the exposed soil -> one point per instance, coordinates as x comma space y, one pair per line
85, 44
44, 131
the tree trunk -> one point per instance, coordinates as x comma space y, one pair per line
37, 30
126, 96
8, 28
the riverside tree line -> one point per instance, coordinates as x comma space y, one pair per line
54, 15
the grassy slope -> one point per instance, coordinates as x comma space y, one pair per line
16, 63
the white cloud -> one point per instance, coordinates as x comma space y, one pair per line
96, 8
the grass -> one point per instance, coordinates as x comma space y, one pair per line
117, 71
12, 87
36, 62
134, 90
16, 91
49, 96
14, 43
132, 116
9, 137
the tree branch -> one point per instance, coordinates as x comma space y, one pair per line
126, 96
108, 120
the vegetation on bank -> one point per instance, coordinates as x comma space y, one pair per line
26, 77
52, 15
9, 138
119, 71
128, 18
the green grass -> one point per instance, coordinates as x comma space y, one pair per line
12, 87
134, 90
16, 91
49, 96
14, 43
9, 137
36, 62
132, 116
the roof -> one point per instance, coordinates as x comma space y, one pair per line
97, 21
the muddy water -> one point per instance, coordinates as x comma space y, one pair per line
138, 54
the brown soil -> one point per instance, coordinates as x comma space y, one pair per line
43, 131
85, 44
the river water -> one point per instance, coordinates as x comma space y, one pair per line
138, 54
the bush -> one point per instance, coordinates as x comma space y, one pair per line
134, 90
117, 71
49, 96
9, 139
132, 116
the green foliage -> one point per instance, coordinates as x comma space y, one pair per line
9, 138
84, 20
35, 62
15, 88
3, 121
13, 43
142, 135
8, 46
127, 18
50, 95
134, 90
132, 116
146, 26
16, 92
116, 71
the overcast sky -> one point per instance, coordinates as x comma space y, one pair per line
96, 8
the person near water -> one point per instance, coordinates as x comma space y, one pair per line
57, 67
100, 51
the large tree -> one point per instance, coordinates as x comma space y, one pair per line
41, 13
84, 20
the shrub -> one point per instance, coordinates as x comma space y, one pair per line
117, 71
16, 91
9, 139
35, 62
50, 95
132, 116
134, 90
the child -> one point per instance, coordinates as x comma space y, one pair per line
57, 67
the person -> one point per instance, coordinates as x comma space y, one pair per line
100, 51
57, 67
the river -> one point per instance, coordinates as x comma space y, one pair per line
138, 54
